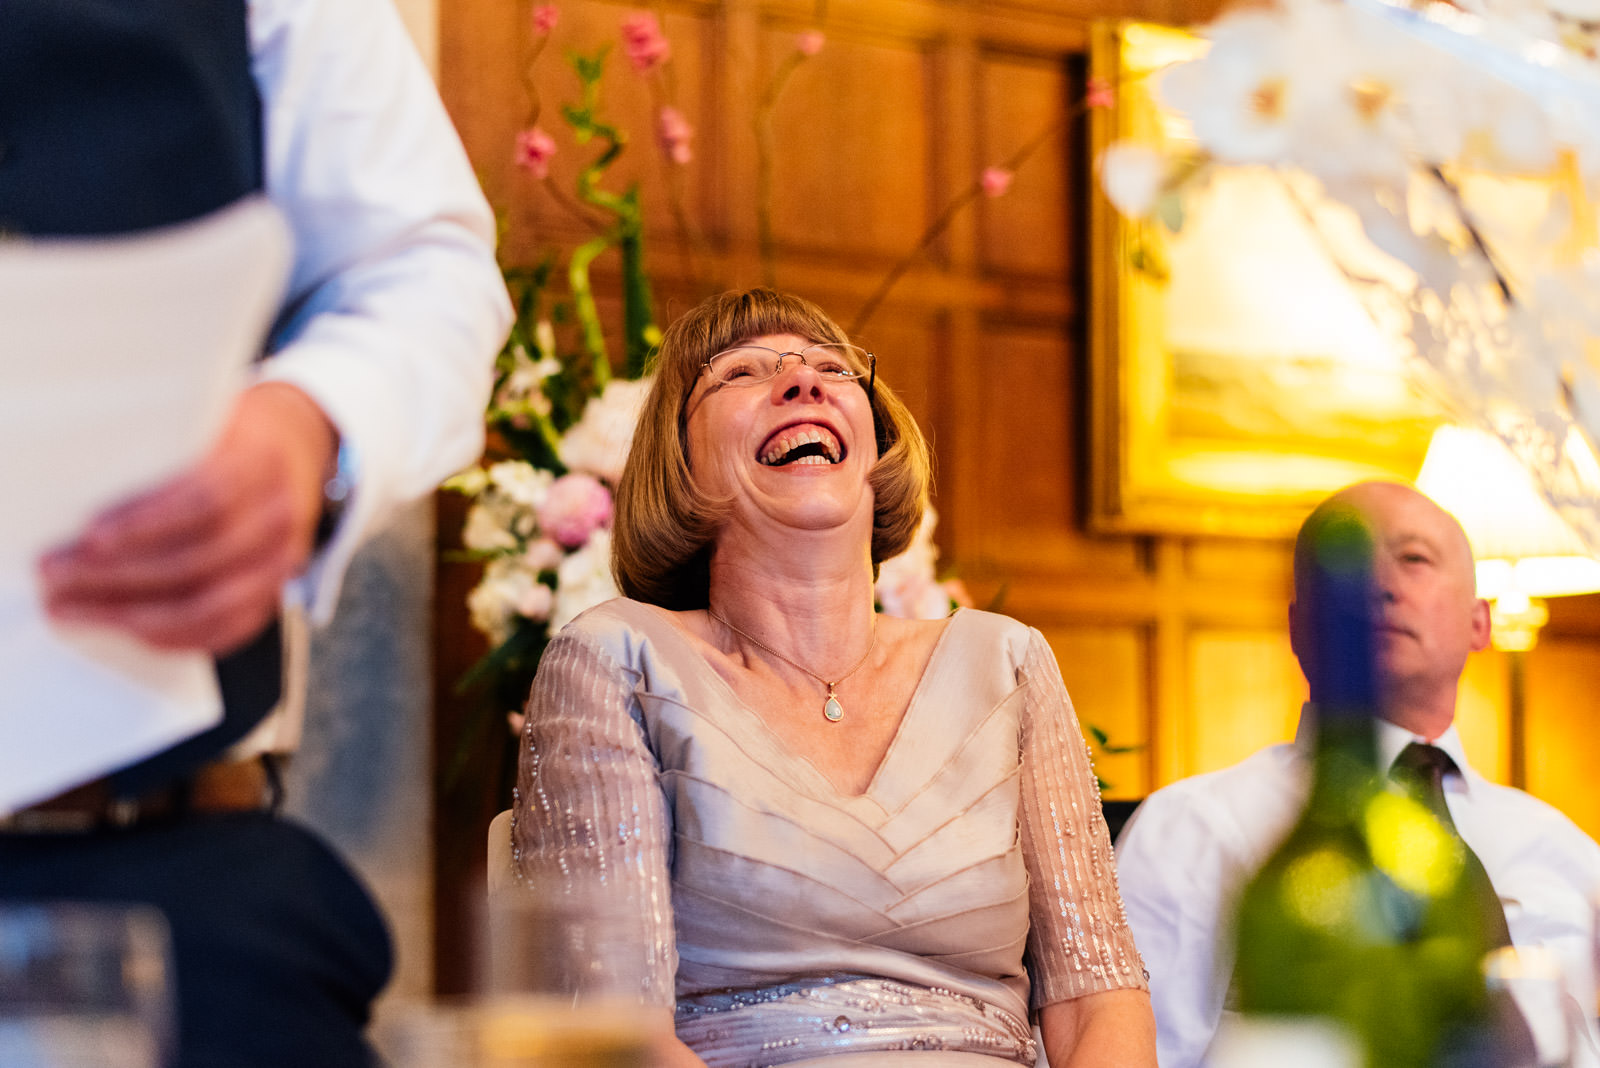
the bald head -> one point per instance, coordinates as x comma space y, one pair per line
1385, 504
1428, 617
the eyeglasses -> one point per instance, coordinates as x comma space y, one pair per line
751, 365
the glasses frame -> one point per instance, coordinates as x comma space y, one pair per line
705, 366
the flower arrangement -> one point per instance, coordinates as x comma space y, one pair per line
1448, 157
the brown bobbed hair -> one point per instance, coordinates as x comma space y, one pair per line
664, 526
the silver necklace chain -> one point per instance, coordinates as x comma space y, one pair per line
832, 710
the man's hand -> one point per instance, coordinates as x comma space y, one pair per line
200, 561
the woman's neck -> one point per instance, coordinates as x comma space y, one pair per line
815, 607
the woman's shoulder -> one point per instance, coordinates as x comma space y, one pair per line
619, 621
975, 625
970, 640
641, 638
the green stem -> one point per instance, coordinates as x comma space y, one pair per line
638, 313
594, 342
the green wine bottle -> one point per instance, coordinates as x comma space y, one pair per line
1360, 918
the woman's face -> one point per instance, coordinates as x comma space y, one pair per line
794, 450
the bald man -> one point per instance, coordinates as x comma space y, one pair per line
1190, 847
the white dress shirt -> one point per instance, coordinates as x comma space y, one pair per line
396, 306
1191, 846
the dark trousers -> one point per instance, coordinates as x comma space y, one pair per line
278, 950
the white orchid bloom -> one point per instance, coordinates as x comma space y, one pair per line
1133, 176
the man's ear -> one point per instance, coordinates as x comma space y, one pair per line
1482, 625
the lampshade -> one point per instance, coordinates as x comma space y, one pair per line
1521, 545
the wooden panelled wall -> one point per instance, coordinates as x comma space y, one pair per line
1176, 645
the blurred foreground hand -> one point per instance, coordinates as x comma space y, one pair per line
200, 561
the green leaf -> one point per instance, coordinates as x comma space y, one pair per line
529, 639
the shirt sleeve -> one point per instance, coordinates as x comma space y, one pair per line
1174, 874
1078, 937
395, 307
590, 819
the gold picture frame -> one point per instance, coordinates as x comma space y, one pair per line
1231, 385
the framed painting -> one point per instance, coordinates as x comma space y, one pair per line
1235, 378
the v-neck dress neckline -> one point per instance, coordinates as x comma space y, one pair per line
781, 751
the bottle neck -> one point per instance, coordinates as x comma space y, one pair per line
1344, 761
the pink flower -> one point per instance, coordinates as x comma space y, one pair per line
643, 41
995, 181
534, 149
810, 42
1100, 94
545, 17
575, 507
675, 133
536, 601
542, 554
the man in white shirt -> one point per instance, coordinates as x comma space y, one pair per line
1191, 846
119, 118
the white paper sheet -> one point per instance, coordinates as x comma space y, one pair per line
119, 360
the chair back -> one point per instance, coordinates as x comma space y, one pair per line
502, 869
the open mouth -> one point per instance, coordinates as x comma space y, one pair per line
809, 444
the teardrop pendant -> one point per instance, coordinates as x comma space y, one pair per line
833, 711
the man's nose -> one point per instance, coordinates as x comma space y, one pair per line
1383, 581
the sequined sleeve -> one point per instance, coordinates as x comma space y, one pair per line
590, 819
1078, 938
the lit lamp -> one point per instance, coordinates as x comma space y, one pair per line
1525, 551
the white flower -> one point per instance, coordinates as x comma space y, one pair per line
521, 482
506, 591
1374, 102
598, 443
1132, 176
907, 586
583, 580
485, 531
1245, 95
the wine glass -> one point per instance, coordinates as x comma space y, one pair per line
562, 985
84, 986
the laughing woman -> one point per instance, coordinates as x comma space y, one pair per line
847, 838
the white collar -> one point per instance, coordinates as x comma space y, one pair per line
1391, 739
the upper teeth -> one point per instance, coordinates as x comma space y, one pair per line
789, 440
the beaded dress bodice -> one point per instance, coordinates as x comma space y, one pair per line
785, 920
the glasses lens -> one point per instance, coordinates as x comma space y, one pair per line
836, 361
746, 365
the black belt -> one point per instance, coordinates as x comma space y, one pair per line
223, 786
